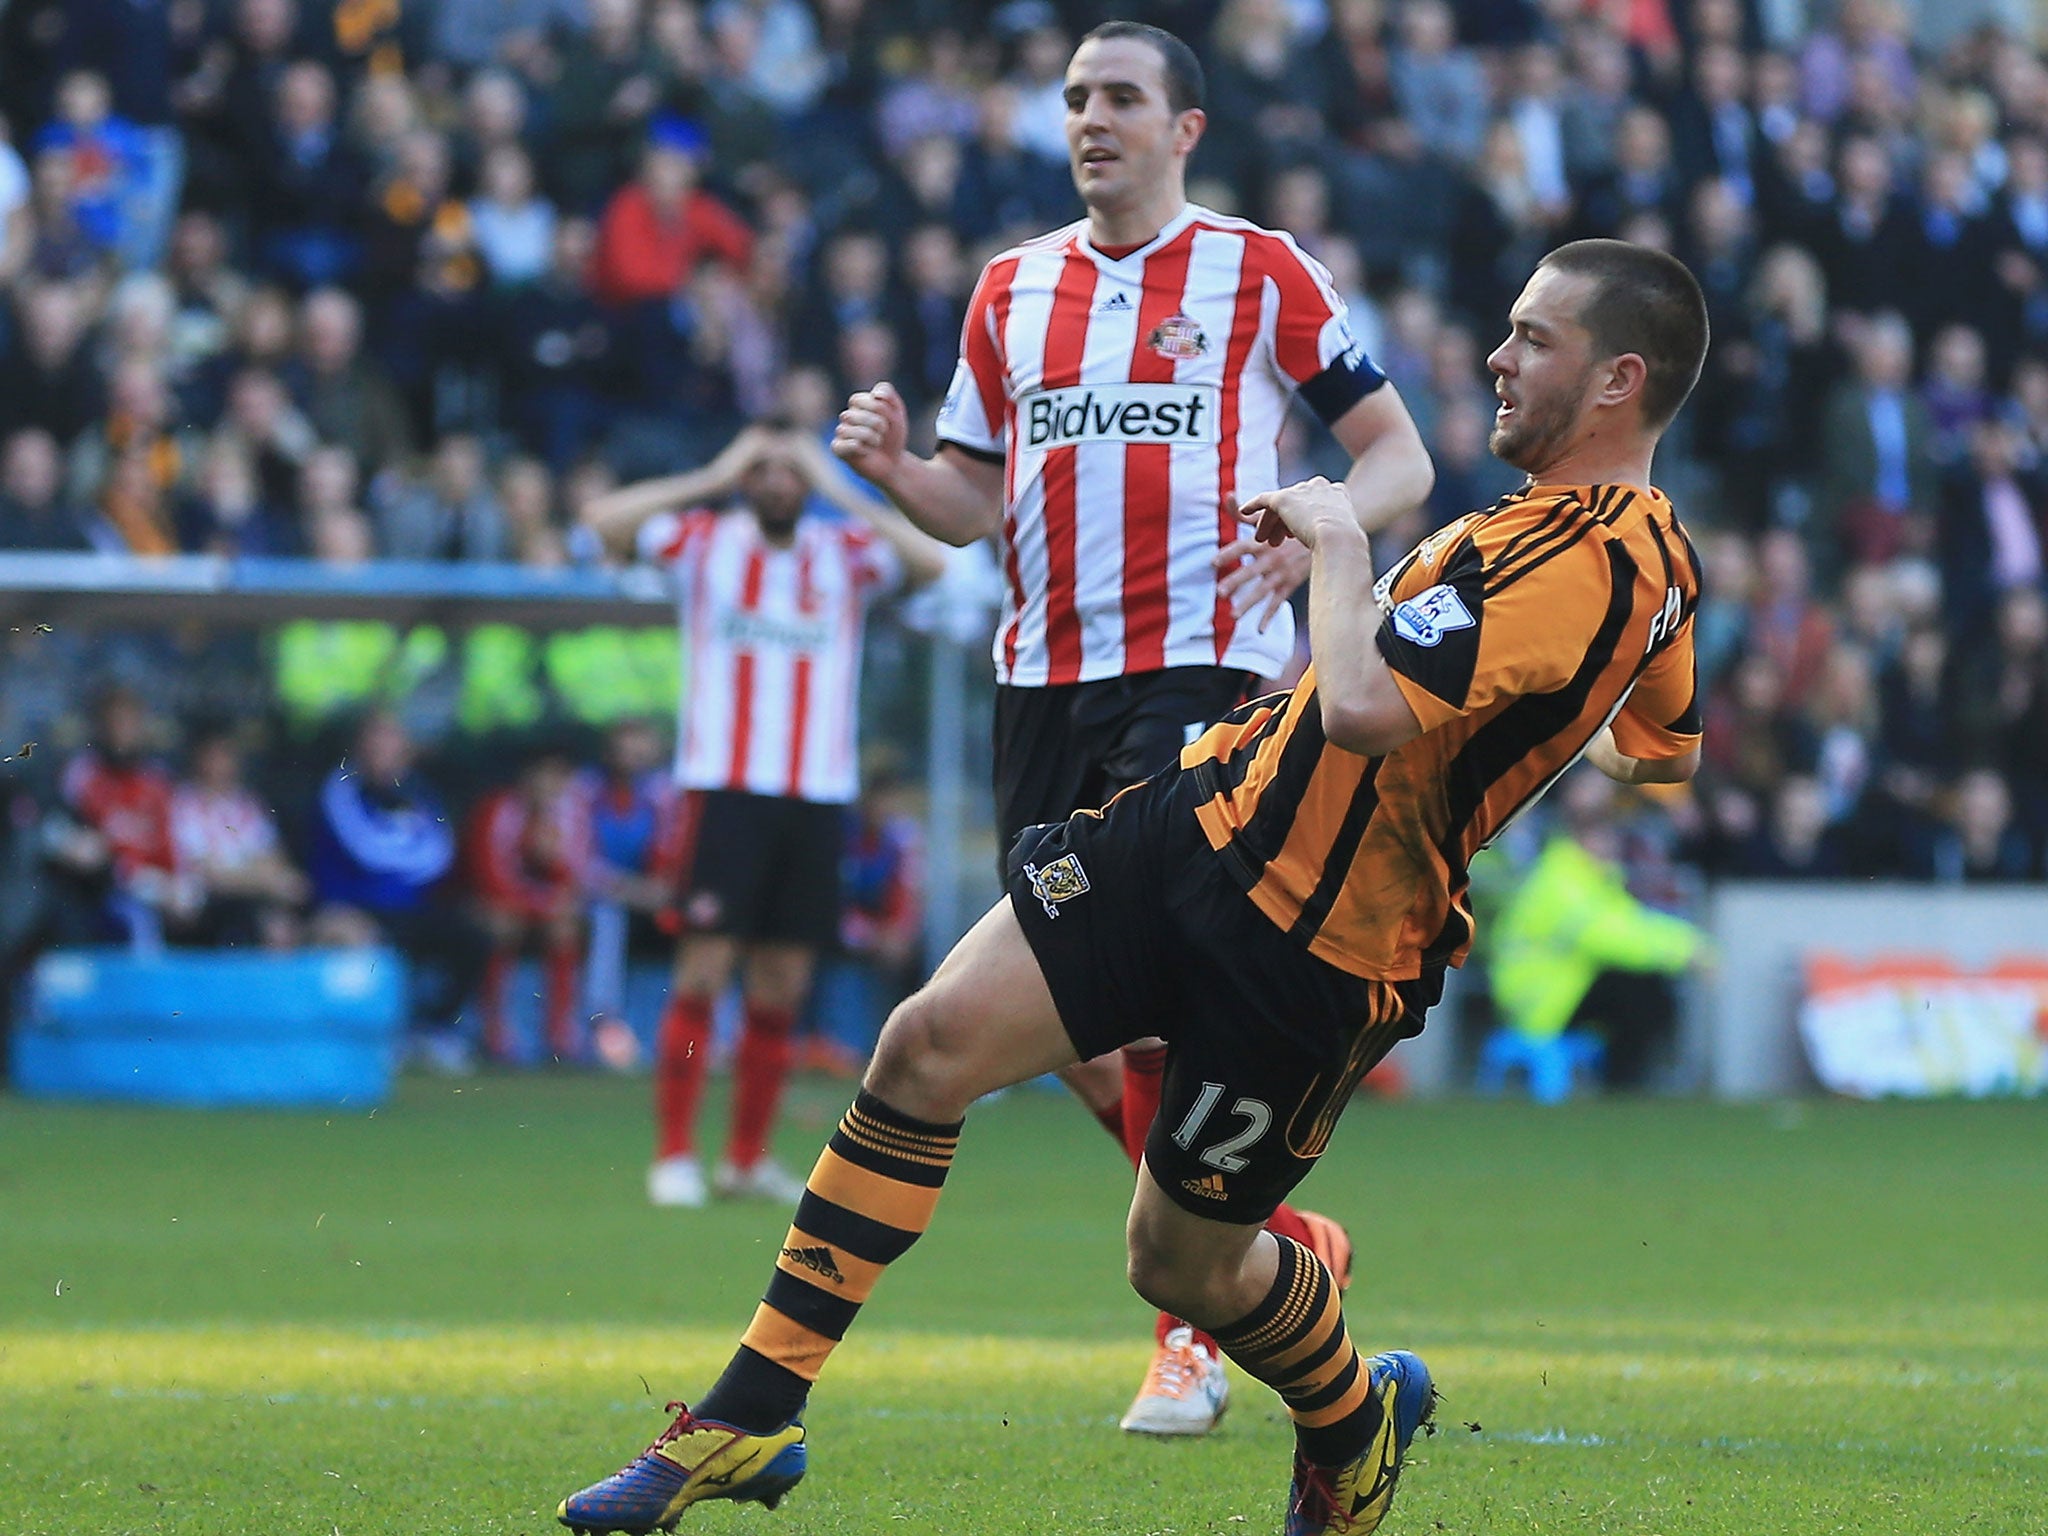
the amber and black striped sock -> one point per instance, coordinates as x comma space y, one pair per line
869, 1198
1295, 1342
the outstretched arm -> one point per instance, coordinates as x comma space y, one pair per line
953, 496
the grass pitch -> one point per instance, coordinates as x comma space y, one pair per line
1646, 1317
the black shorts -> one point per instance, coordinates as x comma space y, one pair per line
763, 869
1072, 746
1140, 930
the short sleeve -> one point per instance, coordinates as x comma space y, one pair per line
1313, 343
1662, 716
669, 538
973, 413
1456, 648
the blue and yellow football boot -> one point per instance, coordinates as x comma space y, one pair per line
693, 1460
1353, 1499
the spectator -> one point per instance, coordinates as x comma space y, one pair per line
936, 280
881, 938
136, 463
559, 353
1037, 77
382, 851
853, 289
225, 513
1954, 392
515, 226
526, 491
34, 513
227, 840
1865, 246
2016, 248
206, 294
51, 382
109, 166
522, 34
1989, 536
1439, 86
345, 395
2003, 699
1877, 453
635, 835
1949, 258
1714, 133
1643, 180
260, 416
1981, 842
1796, 843
598, 107
659, 227
1262, 74
453, 515
109, 846
311, 185
527, 862
1591, 115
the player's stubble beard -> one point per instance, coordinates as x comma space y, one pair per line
1536, 435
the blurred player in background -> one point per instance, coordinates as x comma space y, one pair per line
631, 814
773, 607
1282, 906
1122, 384
528, 852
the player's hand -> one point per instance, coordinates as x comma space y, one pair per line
810, 458
1302, 510
872, 432
1252, 573
743, 452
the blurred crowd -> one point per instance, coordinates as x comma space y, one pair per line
572, 863
413, 279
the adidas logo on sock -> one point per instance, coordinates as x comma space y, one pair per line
817, 1260
1209, 1187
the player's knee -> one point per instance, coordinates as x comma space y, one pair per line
920, 1062
1164, 1278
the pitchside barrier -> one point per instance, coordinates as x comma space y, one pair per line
213, 1027
1872, 989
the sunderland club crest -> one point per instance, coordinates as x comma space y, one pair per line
1177, 337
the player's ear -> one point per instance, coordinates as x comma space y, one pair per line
1188, 128
1626, 376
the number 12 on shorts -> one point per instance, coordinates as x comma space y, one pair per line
1257, 1117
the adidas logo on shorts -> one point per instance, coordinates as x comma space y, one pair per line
1209, 1186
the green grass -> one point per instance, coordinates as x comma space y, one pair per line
1647, 1317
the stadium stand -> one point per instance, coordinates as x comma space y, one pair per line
295, 290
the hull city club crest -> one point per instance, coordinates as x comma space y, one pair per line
1061, 880
1177, 337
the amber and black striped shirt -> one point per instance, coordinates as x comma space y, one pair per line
1515, 634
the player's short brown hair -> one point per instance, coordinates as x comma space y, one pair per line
1644, 301
1185, 86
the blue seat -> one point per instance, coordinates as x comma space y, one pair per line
1549, 1065
213, 1028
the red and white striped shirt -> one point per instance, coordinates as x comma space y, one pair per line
771, 650
1129, 398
